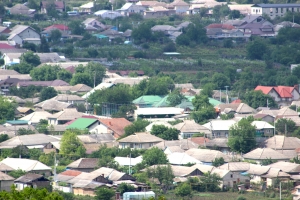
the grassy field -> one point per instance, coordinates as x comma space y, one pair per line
225, 196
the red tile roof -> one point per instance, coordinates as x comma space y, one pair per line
6, 46
283, 91
71, 173
237, 101
61, 27
199, 140
264, 89
117, 125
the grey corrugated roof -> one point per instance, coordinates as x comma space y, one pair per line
265, 153
84, 163
207, 155
287, 167
141, 138
286, 5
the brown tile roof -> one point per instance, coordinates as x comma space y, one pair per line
71, 173
117, 125
199, 140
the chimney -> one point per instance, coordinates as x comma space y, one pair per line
110, 123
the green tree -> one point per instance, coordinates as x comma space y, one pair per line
24, 131
227, 43
47, 93
211, 182
165, 132
257, 99
17, 173
42, 126
64, 75
77, 28
164, 174
124, 187
44, 46
104, 193
82, 78
142, 33
71, 145
203, 110
7, 109
257, 49
154, 156
55, 35
45, 73
183, 190
3, 137
22, 68
96, 72
218, 162
159, 86
137, 126
242, 136
207, 89
220, 80
287, 126
175, 98
30, 58
29, 46
2, 10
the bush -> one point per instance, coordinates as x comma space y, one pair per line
241, 198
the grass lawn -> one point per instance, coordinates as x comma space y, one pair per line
224, 196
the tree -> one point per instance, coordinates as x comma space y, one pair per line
137, 126
22, 68
159, 86
71, 145
142, 33
287, 126
154, 156
7, 109
165, 132
30, 58
29, 46
184, 189
104, 193
164, 174
170, 47
82, 78
175, 98
44, 46
45, 73
220, 80
124, 187
227, 43
42, 126
24, 131
3, 137
47, 93
257, 99
17, 173
234, 14
257, 49
203, 110
96, 71
242, 136
77, 28
211, 182
55, 35
64, 75
2, 10
218, 162
207, 89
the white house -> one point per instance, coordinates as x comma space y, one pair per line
180, 6
274, 10
219, 128
129, 8
21, 33
107, 14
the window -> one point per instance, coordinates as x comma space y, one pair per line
231, 175
276, 10
123, 145
281, 10
271, 10
131, 145
140, 146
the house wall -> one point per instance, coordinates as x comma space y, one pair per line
255, 179
29, 33
219, 134
84, 191
17, 39
123, 145
95, 128
295, 94
5, 185
275, 95
274, 12
188, 134
181, 9
103, 129
268, 118
148, 15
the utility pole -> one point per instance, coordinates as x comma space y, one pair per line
280, 190
227, 99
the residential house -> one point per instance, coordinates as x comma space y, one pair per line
259, 154
146, 101
239, 108
92, 25
281, 142
166, 29
111, 34
219, 144
23, 111
42, 83
154, 114
173, 149
63, 29
98, 87
6, 181
11, 131
181, 158
149, 4
283, 95
21, 9
263, 129
207, 156
266, 175
157, 123
87, 187
201, 141
184, 86
179, 6
223, 31
78, 89
52, 105
296, 193
125, 80
180, 171
4, 31
265, 117
21, 33
287, 167
29, 141
284, 112
52, 147
86, 8
35, 117
84, 164
245, 9
158, 11
92, 142
139, 141
274, 10
238, 168
27, 165
16, 99
90, 124
128, 161
69, 98
108, 14
59, 6
184, 144
130, 8
31, 180
188, 128
64, 116
219, 128
114, 126
64, 177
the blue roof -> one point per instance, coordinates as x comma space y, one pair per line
16, 122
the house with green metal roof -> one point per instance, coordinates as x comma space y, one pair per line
16, 122
90, 124
146, 101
